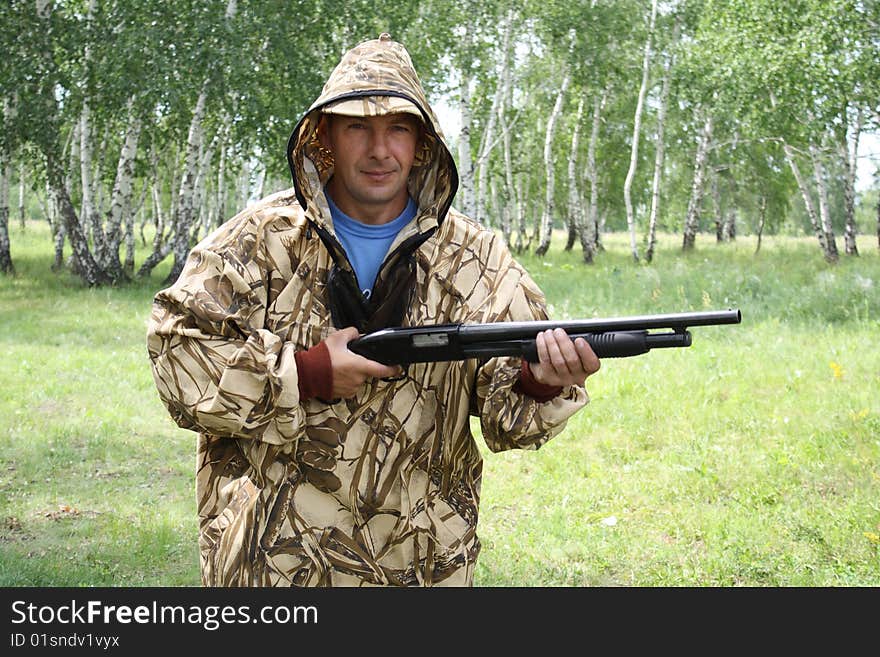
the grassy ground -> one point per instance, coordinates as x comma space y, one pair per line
751, 458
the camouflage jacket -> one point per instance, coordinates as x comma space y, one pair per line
380, 489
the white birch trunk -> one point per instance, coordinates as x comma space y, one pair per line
637, 129
729, 231
120, 198
511, 212
496, 209
660, 152
21, 213
220, 203
487, 142
807, 197
545, 232
85, 264
98, 195
59, 232
185, 204
88, 214
201, 189
849, 158
6, 266
716, 207
128, 240
821, 176
482, 170
244, 183
137, 212
590, 229
692, 219
465, 166
878, 223
575, 208
520, 195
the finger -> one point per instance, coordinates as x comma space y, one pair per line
541, 348
374, 369
589, 360
349, 333
556, 357
566, 348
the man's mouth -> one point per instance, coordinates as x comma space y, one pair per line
378, 176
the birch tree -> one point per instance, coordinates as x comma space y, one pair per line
589, 231
6, 266
575, 202
660, 150
637, 129
547, 214
692, 219
848, 155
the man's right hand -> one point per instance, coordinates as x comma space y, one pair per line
351, 370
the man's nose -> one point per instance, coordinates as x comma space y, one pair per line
378, 144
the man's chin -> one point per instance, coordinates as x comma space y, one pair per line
379, 197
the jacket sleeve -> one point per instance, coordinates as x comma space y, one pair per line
510, 419
216, 368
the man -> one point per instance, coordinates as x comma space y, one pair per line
316, 466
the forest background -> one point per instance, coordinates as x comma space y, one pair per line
736, 117
638, 156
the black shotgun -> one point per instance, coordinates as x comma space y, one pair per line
610, 338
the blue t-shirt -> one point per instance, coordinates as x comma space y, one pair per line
367, 245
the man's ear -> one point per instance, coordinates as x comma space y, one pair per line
323, 131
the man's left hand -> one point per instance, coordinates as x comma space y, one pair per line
563, 362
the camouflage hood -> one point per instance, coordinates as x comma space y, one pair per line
380, 67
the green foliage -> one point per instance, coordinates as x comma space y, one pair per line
763, 70
748, 459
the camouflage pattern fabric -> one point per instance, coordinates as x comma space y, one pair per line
382, 489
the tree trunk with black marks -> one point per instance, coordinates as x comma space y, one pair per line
545, 232
761, 217
120, 200
575, 205
637, 129
806, 195
849, 158
21, 192
86, 265
6, 266
729, 230
465, 165
692, 219
716, 208
520, 194
660, 152
487, 143
589, 233
180, 244
831, 253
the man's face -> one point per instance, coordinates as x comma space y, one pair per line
373, 157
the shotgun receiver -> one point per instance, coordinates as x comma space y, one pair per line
610, 338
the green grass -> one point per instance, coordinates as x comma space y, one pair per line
751, 458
